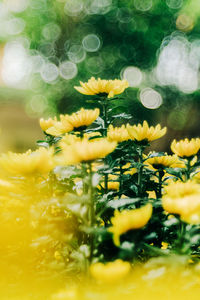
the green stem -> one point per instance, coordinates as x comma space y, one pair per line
120, 175
91, 212
84, 174
160, 176
140, 171
188, 168
105, 118
181, 237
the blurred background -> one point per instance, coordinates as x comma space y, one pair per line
47, 47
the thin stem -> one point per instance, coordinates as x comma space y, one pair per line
181, 237
120, 175
160, 176
91, 212
105, 118
188, 168
140, 171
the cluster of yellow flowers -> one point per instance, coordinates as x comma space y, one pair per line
34, 175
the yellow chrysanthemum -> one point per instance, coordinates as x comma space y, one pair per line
83, 117
186, 148
113, 183
60, 127
183, 199
118, 134
46, 124
99, 86
187, 207
129, 219
181, 189
28, 163
160, 162
85, 150
144, 132
111, 271
6, 186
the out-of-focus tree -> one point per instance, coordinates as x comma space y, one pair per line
48, 46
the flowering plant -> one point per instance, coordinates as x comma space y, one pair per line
95, 200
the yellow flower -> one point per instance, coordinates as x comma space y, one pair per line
144, 132
186, 148
187, 207
111, 271
118, 134
160, 162
28, 163
181, 189
85, 150
164, 245
183, 199
46, 124
129, 219
113, 183
60, 127
83, 117
99, 86
6, 186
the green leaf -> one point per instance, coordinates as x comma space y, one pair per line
122, 202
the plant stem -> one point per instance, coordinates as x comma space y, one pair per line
105, 118
181, 237
160, 176
140, 160
91, 212
188, 167
120, 175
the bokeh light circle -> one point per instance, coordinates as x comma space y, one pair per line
73, 7
15, 26
51, 31
94, 65
91, 43
38, 103
76, 54
17, 6
175, 4
133, 75
49, 72
68, 70
150, 98
143, 5
37, 62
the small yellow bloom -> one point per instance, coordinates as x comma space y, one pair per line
118, 134
113, 183
111, 271
144, 132
46, 124
186, 148
85, 150
99, 86
164, 245
160, 162
129, 219
151, 194
28, 163
83, 117
129, 170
